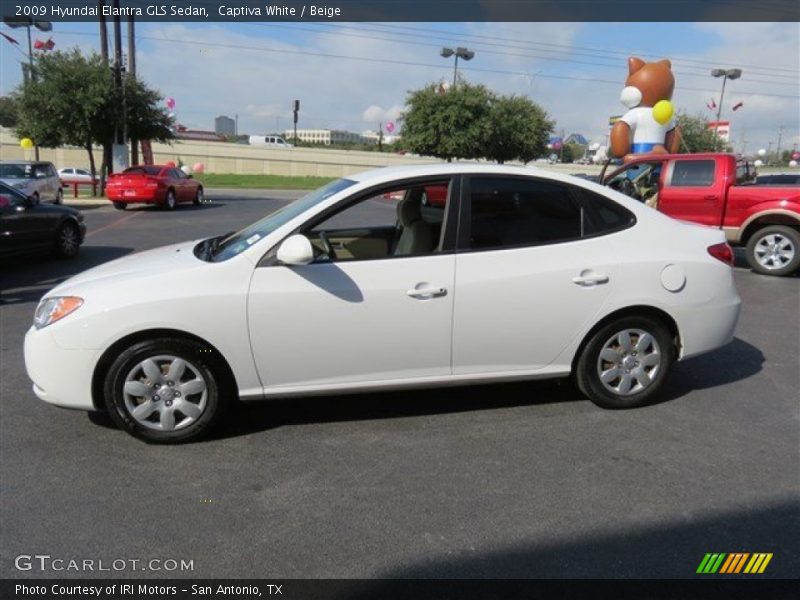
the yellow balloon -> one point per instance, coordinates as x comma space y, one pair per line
663, 111
26, 143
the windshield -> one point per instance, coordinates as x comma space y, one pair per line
241, 240
11, 171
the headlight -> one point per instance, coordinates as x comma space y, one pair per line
54, 309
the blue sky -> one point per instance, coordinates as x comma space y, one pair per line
574, 70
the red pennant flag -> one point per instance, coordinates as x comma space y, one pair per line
738, 106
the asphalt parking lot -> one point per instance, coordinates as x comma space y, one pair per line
512, 480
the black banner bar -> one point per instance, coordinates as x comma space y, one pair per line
421, 589
410, 10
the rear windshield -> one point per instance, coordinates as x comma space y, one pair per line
143, 170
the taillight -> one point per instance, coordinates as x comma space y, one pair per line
722, 252
152, 183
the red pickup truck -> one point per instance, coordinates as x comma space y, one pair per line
718, 190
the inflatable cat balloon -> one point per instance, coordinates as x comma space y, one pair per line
649, 126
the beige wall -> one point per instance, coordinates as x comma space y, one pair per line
221, 157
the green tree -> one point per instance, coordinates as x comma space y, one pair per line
697, 137
8, 112
448, 125
470, 121
518, 129
72, 100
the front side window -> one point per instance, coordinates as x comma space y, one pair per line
403, 221
240, 241
692, 173
511, 212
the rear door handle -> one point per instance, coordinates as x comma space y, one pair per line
590, 279
426, 292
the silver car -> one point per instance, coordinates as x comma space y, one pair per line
33, 178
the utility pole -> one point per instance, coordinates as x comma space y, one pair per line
778, 148
120, 149
132, 74
296, 110
103, 31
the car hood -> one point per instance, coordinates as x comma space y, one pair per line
149, 263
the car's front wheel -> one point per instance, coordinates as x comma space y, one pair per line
625, 362
774, 250
198, 198
166, 390
60, 196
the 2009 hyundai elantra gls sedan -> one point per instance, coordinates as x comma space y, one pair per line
367, 284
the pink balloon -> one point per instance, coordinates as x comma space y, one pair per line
796, 155
171, 103
198, 168
390, 127
169, 164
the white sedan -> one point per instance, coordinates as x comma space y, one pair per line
473, 274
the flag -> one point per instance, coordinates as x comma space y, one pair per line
738, 105
48, 45
9, 38
711, 105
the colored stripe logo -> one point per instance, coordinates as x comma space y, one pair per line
734, 563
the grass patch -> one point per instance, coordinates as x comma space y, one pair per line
284, 182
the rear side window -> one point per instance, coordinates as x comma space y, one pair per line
605, 215
509, 212
692, 173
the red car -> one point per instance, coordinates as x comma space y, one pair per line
153, 184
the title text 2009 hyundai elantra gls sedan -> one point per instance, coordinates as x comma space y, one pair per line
367, 284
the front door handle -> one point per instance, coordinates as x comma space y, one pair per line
589, 279
424, 293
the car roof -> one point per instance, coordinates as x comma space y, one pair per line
388, 174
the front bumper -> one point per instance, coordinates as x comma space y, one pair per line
60, 376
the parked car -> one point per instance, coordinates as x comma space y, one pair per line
523, 274
27, 226
153, 184
717, 190
73, 174
33, 178
274, 141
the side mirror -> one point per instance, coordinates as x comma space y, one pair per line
296, 250
31, 201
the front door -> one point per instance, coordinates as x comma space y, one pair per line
376, 306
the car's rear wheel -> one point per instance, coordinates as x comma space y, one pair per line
120, 205
625, 362
169, 200
60, 196
166, 390
68, 240
774, 250
198, 198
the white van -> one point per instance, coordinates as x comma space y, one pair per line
269, 140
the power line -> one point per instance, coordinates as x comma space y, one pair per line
615, 66
438, 67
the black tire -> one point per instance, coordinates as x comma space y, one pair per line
587, 370
198, 197
761, 248
60, 196
170, 202
120, 205
67, 243
218, 391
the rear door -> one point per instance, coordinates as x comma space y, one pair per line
529, 276
694, 190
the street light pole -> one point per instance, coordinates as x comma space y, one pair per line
459, 53
725, 74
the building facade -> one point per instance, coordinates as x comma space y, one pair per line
327, 137
224, 125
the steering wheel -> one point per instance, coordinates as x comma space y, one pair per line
326, 244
